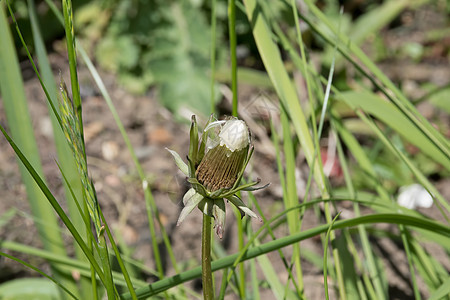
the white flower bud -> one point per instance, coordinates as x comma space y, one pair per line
223, 162
234, 135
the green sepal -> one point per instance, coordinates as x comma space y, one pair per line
191, 199
206, 206
193, 146
198, 187
241, 173
201, 150
251, 188
179, 162
244, 187
242, 207
219, 217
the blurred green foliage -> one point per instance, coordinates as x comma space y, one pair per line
163, 43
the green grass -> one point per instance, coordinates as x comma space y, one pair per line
349, 262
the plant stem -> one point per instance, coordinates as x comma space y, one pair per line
233, 57
104, 258
208, 292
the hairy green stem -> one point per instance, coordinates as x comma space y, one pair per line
233, 57
208, 292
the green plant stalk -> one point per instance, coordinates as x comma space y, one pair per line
275, 141
70, 39
90, 241
234, 88
405, 239
317, 135
151, 210
71, 52
14, 99
232, 34
361, 229
290, 194
124, 270
224, 284
104, 258
365, 278
422, 258
240, 232
255, 282
208, 291
228, 261
213, 53
89, 235
325, 256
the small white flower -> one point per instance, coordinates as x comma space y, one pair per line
414, 196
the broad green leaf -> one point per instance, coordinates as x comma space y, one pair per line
29, 288
442, 291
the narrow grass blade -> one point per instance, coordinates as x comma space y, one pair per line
348, 49
375, 289
54, 280
233, 57
72, 56
394, 118
275, 68
442, 292
54, 203
325, 256
290, 193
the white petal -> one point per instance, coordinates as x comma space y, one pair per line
234, 135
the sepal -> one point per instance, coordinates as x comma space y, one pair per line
179, 162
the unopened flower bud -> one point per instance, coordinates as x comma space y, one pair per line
222, 164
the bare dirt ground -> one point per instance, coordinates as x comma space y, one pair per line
151, 128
